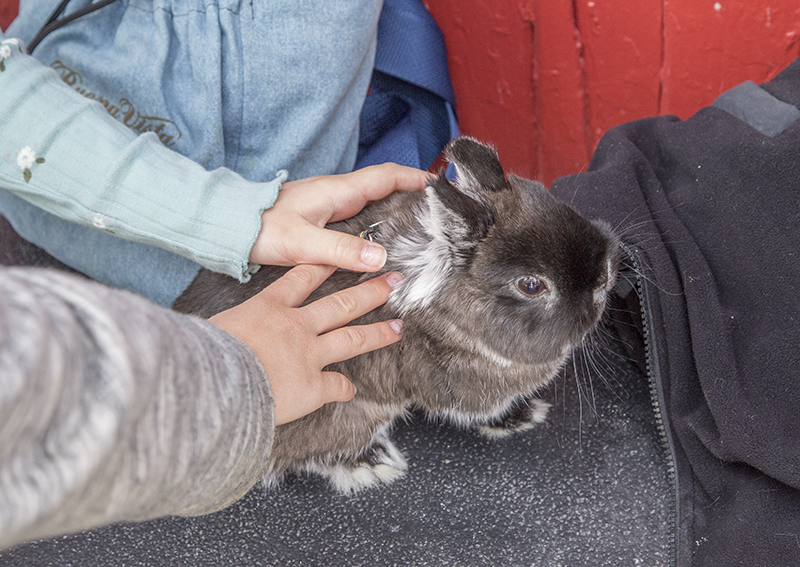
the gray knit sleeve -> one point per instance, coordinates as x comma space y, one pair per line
113, 409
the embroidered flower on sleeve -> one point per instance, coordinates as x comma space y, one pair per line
7, 47
26, 158
99, 222
102, 222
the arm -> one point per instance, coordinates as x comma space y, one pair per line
113, 409
64, 154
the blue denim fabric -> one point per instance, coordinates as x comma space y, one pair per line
254, 87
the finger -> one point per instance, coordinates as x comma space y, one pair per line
294, 287
377, 181
373, 183
324, 246
347, 342
328, 387
338, 309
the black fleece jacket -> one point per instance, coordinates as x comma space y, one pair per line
710, 210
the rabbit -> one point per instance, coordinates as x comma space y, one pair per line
502, 282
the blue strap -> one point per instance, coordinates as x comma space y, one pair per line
409, 114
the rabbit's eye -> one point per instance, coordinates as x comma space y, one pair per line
531, 286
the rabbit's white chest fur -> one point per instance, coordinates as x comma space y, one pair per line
426, 264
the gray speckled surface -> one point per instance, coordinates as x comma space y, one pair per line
579, 490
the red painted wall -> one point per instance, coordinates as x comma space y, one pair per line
544, 79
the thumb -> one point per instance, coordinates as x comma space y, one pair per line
327, 387
337, 388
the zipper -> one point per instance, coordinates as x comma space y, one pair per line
652, 367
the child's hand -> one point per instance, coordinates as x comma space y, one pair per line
292, 230
295, 343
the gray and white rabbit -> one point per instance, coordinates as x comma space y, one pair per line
502, 282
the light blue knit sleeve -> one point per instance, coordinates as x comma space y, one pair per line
66, 155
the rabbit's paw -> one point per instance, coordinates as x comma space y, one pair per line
522, 414
380, 463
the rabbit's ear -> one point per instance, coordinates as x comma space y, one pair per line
533, 192
462, 213
457, 217
478, 167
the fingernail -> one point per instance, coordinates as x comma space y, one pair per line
394, 278
373, 255
396, 325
